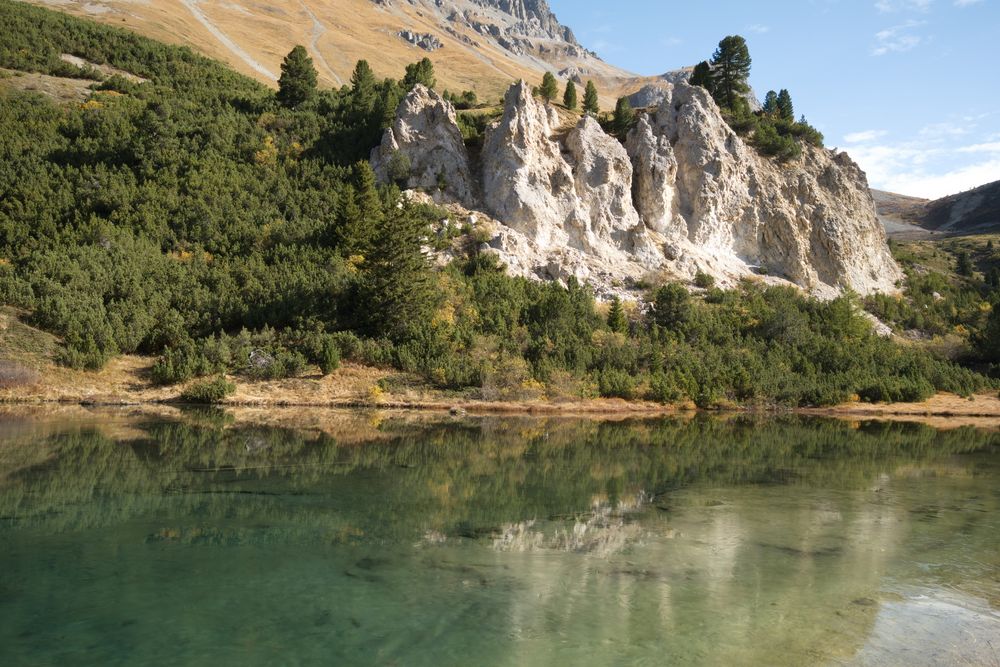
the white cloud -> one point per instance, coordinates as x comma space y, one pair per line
863, 137
889, 6
928, 167
759, 28
946, 129
898, 38
966, 3
989, 147
934, 186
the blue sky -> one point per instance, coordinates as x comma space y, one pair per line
909, 88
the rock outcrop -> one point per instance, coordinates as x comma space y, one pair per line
685, 194
811, 221
425, 41
562, 188
424, 148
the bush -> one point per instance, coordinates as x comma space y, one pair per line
399, 168
273, 364
614, 383
704, 280
663, 388
208, 391
769, 142
329, 359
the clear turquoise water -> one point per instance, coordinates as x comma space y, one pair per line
205, 541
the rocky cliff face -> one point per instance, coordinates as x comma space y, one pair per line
425, 142
573, 192
811, 222
534, 19
685, 194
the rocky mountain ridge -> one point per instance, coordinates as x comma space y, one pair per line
684, 195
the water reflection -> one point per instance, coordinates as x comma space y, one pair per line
503, 541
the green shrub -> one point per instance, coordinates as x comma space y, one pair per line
663, 388
208, 391
704, 280
769, 142
329, 359
614, 383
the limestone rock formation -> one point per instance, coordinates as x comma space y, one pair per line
811, 222
424, 142
561, 188
685, 194
425, 41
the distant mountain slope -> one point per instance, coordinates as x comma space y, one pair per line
480, 45
974, 212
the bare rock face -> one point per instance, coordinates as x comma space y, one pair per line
685, 194
811, 222
425, 142
655, 175
575, 192
526, 182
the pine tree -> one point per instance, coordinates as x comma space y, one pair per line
963, 265
549, 88
771, 103
398, 285
730, 71
360, 212
420, 72
590, 101
363, 80
350, 235
298, 78
569, 97
785, 109
624, 117
989, 341
702, 75
617, 321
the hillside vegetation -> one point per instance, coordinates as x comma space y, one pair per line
196, 218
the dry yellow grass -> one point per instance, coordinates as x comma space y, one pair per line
58, 88
253, 38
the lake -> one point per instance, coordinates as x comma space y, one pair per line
203, 538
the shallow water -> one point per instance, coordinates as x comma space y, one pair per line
204, 541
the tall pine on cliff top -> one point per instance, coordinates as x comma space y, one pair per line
730, 71
785, 109
420, 72
771, 103
298, 78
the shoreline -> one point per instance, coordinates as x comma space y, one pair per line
125, 382
941, 411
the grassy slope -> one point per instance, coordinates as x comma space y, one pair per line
347, 31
